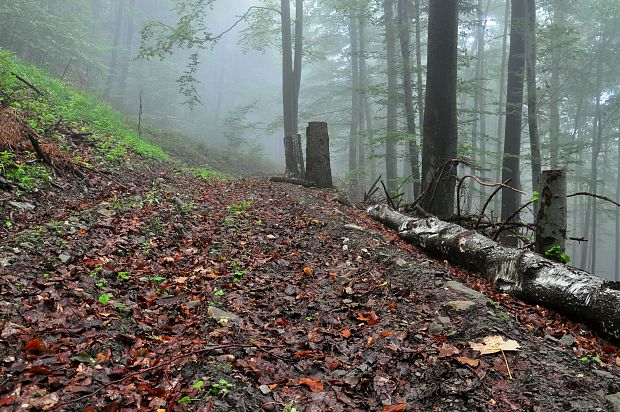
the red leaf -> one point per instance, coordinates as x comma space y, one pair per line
345, 333
315, 385
399, 407
35, 346
6, 401
370, 318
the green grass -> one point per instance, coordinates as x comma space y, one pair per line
114, 137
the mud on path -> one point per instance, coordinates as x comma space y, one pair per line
245, 295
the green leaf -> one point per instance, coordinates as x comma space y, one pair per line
198, 385
105, 298
186, 400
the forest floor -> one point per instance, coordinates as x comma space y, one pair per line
153, 289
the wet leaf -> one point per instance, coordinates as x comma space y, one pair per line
494, 344
315, 385
399, 407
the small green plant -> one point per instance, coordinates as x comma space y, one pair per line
209, 174
123, 275
290, 408
105, 298
220, 388
100, 283
590, 358
8, 224
239, 208
187, 208
556, 253
198, 385
535, 196
218, 292
185, 400
157, 278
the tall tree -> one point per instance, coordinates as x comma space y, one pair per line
391, 161
404, 26
532, 103
440, 129
355, 100
514, 110
554, 100
501, 107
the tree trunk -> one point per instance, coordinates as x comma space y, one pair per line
523, 274
288, 88
363, 74
617, 262
318, 166
418, 62
124, 69
114, 69
551, 218
391, 160
501, 107
404, 26
355, 105
532, 104
514, 111
440, 129
554, 102
299, 30
480, 90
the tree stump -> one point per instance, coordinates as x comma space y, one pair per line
318, 166
294, 157
551, 218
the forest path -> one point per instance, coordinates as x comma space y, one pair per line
170, 292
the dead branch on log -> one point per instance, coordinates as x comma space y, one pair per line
487, 184
501, 228
27, 83
292, 180
388, 198
596, 196
373, 189
436, 182
486, 204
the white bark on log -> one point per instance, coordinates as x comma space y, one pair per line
526, 275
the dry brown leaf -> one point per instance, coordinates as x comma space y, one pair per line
468, 361
494, 344
315, 385
448, 350
399, 407
345, 333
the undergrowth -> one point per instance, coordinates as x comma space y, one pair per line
60, 102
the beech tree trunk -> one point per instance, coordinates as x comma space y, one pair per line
532, 104
523, 274
355, 104
404, 26
501, 106
440, 129
391, 160
551, 218
514, 112
554, 101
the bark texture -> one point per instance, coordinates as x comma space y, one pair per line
551, 219
318, 166
440, 129
523, 274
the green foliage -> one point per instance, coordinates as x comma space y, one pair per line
535, 197
105, 298
123, 275
209, 174
220, 388
114, 138
556, 253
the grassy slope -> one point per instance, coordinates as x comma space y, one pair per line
115, 138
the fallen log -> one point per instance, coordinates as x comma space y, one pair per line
293, 180
523, 274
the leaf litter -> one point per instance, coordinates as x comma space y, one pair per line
127, 322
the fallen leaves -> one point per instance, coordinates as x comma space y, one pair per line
315, 385
370, 318
494, 344
399, 407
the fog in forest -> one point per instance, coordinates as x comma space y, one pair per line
211, 70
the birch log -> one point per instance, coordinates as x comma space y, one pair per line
526, 275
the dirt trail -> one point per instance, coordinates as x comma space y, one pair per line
181, 294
